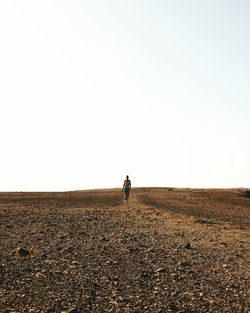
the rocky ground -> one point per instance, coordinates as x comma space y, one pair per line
168, 250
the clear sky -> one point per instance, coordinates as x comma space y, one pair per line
93, 90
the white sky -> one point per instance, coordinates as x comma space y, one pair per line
93, 90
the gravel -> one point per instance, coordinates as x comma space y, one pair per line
90, 252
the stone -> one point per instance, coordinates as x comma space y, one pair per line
23, 252
184, 263
161, 270
188, 246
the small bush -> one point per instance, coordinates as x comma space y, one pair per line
247, 194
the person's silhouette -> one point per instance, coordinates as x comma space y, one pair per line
126, 188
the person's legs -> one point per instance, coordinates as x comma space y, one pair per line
126, 195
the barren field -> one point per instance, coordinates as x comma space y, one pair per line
167, 250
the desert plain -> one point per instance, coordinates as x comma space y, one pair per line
166, 250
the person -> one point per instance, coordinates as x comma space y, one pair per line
126, 188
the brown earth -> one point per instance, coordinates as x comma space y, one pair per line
168, 250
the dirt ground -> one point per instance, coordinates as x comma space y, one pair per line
167, 250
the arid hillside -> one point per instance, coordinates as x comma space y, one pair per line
167, 250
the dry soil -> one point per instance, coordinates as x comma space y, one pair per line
167, 250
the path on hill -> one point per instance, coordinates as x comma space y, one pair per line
89, 252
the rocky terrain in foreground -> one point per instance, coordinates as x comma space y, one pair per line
167, 250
